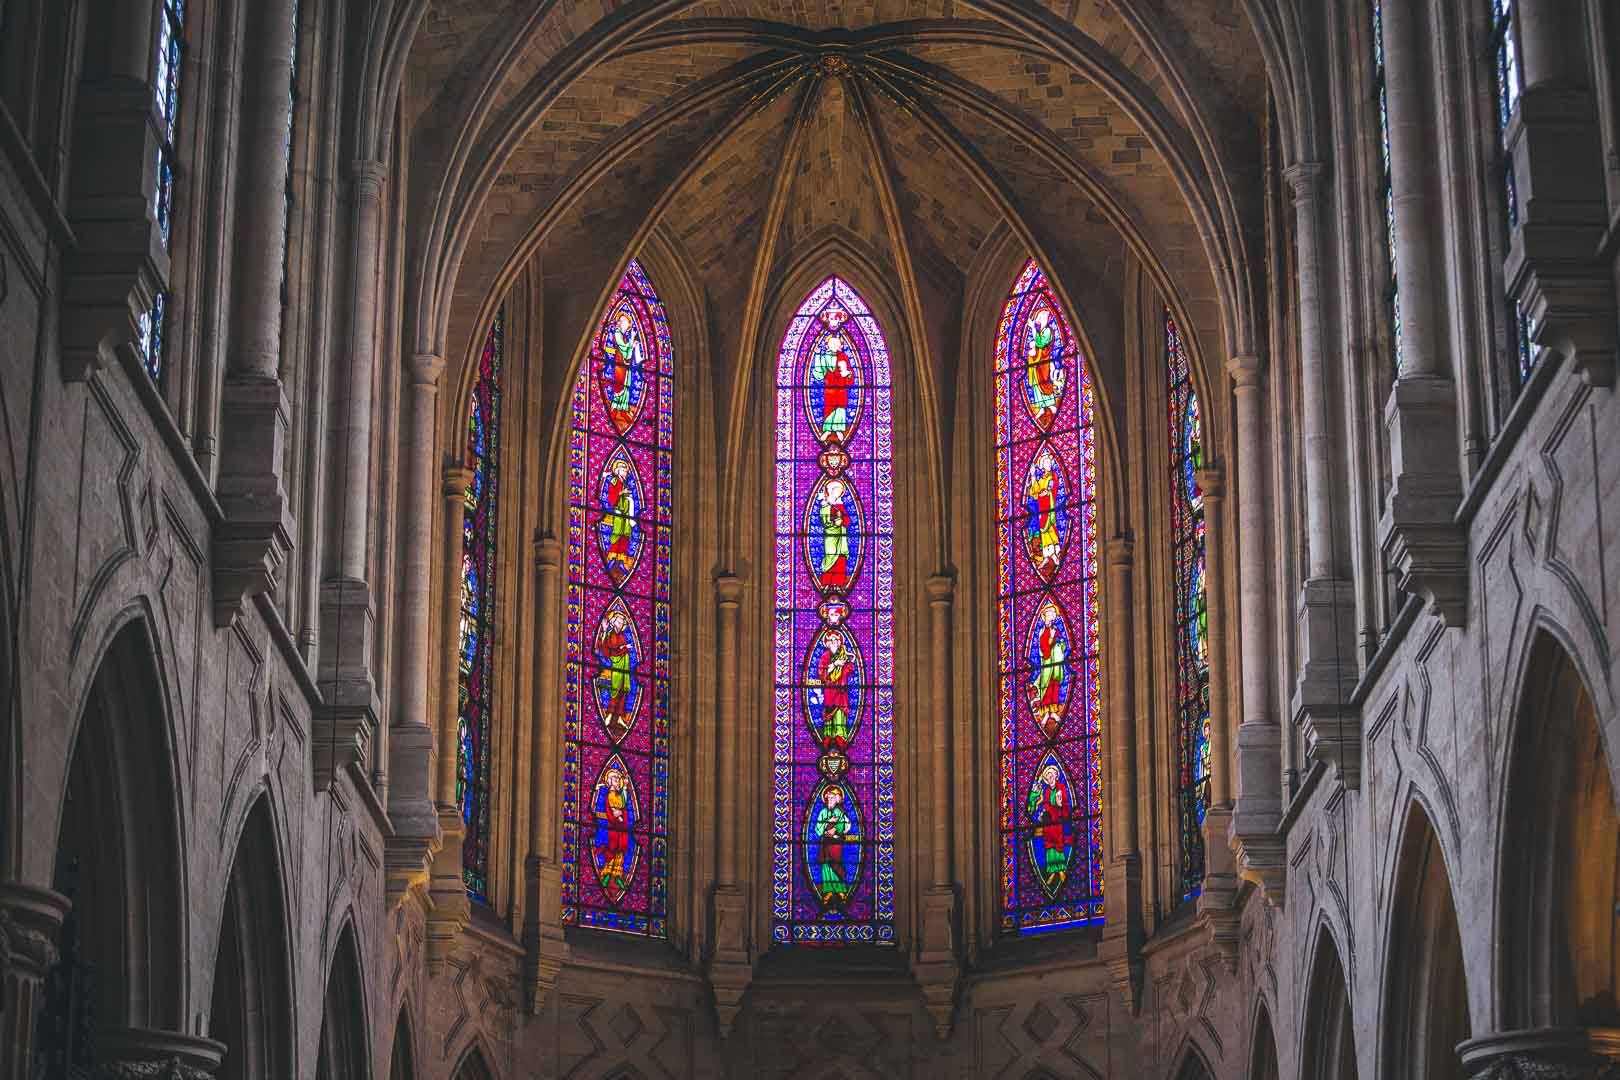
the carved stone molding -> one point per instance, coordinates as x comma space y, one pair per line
1543, 1054
1327, 674
345, 726
1418, 532
146, 1054
542, 931
252, 543
731, 968
1218, 910
936, 968
1123, 935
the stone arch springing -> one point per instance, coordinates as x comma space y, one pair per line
1193, 1066
474, 1066
402, 1059
342, 1052
118, 856
251, 1010
1263, 1047
1329, 1052
1558, 934
1426, 992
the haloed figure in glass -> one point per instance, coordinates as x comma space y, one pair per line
834, 538
1049, 810
838, 848
619, 519
616, 649
834, 669
1043, 351
621, 371
1051, 652
1047, 521
613, 846
834, 369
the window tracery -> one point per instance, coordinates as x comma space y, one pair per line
166, 70
1050, 711
833, 773
615, 774
1386, 186
1508, 84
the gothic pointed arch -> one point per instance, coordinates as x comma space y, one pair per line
1263, 1063
342, 1051
1193, 1065
616, 724
1426, 997
1560, 875
474, 1066
833, 812
1329, 1049
251, 1009
118, 854
402, 1057
1050, 756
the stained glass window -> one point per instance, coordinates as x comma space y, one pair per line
1046, 552
833, 780
615, 846
287, 186
478, 535
166, 96
1187, 568
1505, 40
1386, 186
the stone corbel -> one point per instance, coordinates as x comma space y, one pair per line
731, 966
1418, 532
119, 263
345, 725
1217, 905
543, 931
936, 969
1259, 852
1123, 935
252, 543
1328, 674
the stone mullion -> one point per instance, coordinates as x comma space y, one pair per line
731, 964
543, 930
1123, 932
937, 968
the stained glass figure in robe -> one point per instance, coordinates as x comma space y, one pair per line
1191, 627
475, 690
833, 771
1050, 756
615, 774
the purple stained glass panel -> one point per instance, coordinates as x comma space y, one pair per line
833, 761
480, 516
1046, 559
615, 834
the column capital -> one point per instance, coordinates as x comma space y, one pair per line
457, 477
368, 178
1305, 177
1246, 372
1119, 552
940, 587
426, 368
1211, 481
547, 551
728, 589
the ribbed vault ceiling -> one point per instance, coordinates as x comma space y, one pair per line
915, 131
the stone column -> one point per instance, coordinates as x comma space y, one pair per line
30, 917
451, 909
1217, 899
348, 612
542, 928
1556, 269
1123, 933
731, 967
1257, 772
1326, 611
1418, 532
411, 807
253, 542
936, 968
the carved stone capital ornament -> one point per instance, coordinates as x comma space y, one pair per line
1543, 1054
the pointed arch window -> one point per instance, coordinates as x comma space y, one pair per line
1191, 624
1046, 559
833, 773
615, 774
480, 518
166, 70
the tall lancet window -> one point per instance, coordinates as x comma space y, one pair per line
615, 774
1046, 552
478, 535
1505, 39
1386, 185
1191, 625
170, 48
833, 822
